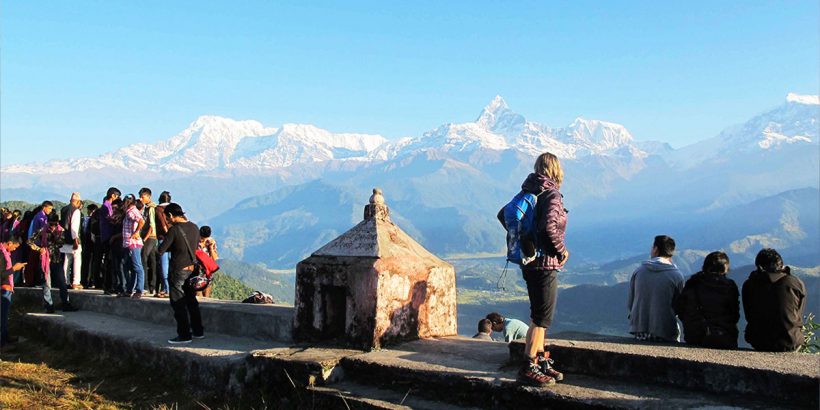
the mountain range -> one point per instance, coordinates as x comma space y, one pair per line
273, 195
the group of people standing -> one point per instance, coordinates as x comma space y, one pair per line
113, 247
707, 304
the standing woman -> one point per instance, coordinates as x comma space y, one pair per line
541, 275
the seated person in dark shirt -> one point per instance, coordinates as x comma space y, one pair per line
709, 305
773, 301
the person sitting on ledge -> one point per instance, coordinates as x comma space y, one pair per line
773, 301
512, 329
485, 330
653, 290
709, 306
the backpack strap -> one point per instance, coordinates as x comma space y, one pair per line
187, 244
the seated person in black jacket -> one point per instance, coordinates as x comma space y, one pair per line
709, 305
773, 300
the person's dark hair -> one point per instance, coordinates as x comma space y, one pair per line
91, 208
47, 203
27, 214
174, 209
665, 245
716, 262
128, 200
485, 326
53, 218
117, 202
145, 190
165, 197
139, 205
768, 260
17, 213
111, 192
496, 318
205, 231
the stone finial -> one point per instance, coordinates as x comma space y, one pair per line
377, 197
377, 208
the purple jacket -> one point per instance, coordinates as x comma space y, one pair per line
104, 213
550, 221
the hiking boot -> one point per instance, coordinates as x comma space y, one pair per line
49, 308
531, 375
68, 307
136, 295
179, 340
546, 367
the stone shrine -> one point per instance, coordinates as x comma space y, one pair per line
374, 285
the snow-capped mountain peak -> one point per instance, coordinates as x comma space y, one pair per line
500, 119
803, 99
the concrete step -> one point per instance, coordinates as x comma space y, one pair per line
778, 377
472, 372
262, 322
239, 367
358, 396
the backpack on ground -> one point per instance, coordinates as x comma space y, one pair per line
518, 218
259, 297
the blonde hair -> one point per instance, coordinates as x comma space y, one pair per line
548, 165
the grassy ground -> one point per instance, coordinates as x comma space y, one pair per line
36, 375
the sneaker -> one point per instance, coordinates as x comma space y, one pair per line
68, 307
49, 308
531, 375
546, 367
202, 336
77, 287
178, 340
136, 295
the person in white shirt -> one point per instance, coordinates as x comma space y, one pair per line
72, 249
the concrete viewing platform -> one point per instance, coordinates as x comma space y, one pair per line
438, 373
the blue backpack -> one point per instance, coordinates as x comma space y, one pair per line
518, 218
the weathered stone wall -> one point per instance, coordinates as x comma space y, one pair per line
356, 277
414, 300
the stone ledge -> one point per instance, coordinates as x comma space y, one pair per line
472, 372
791, 377
262, 322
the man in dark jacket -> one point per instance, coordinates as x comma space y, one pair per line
773, 301
181, 241
709, 305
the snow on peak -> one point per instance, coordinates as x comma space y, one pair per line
803, 99
600, 134
498, 118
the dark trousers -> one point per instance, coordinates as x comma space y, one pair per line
5, 305
87, 254
149, 265
99, 265
118, 268
185, 305
542, 288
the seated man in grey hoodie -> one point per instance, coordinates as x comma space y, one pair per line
653, 289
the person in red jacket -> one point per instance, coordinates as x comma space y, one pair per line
541, 275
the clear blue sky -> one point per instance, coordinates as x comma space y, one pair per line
112, 73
